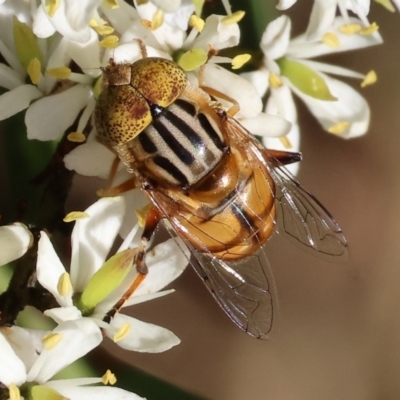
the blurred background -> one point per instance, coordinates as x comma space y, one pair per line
339, 334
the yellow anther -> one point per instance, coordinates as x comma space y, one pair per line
104, 30
274, 80
113, 4
13, 392
339, 128
196, 22
142, 215
350, 29
387, 4
240, 60
369, 79
33, 70
109, 378
122, 332
51, 6
233, 18
76, 137
109, 42
74, 215
158, 19
370, 29
64, 285
51, 340
93, 23
331, 40
59, 73
286, 142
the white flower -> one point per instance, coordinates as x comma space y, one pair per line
92, 238
14, 242
338, 107
33, 358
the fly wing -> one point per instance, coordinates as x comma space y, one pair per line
301, 218
244, 289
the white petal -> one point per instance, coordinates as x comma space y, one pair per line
93, 237
49, 117
62, 314
285, 4
49, 270
42, 27
12, 369
350, 107
267, 125
144, 337
91, 159
14, 242
165, 263
217, 35
91, 393
9, 78
23, 344
259, 79
275, 39
302, 48
72, 19
321, 18
78, 338
18, 99
236, 88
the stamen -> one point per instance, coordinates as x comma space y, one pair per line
370, 29
286, 142
76, 137
109, 378
142, 215
64, 285
59, 73
339, 127
196, 22
233, 18
274, 80
240, 60
104, 30
51, 340
350, 29
33, 70
331, 40
74, 215
109, 42
370, 79
122, 332
51, 6
13, 392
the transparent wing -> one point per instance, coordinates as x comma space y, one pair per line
304, 220
244, 289
301, 218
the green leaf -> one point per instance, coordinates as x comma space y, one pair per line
305, 79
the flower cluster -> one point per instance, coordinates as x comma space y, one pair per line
53, 53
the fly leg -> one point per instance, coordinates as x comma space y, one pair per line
152, 220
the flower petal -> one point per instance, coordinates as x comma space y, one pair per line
12, 369
93, 237
49, 270
267, 125
144, 337
78, 338
275, 39
62, 314
51, 116
15, 241
42, 27
18, 99
285, 4
9, 78
236, 88
350, 108
321, 19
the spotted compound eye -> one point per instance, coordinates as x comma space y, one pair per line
123, 108
160, 81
